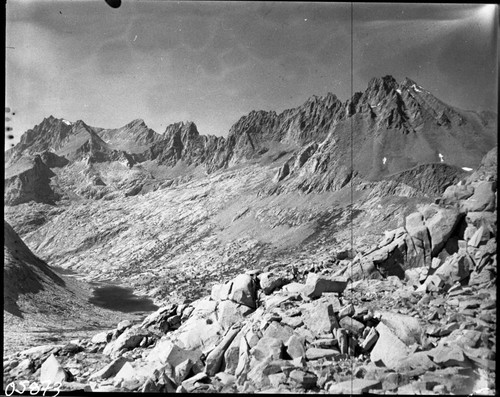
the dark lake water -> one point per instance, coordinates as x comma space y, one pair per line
114, 297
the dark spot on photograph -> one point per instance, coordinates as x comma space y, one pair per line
114, 3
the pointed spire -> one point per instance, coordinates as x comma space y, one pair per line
136, 123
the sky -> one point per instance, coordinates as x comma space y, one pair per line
214, 62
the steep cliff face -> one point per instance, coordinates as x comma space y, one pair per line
134, 137
319, 146
49, 135
389, 128
24, 273
182, 142
261, 131
29, 181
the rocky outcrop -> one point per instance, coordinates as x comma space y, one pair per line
438, 238
134, 137
342, 342
52, 160
24, 272
260, 131
393, 129
430, 180
388, 287
421, 304
29, 181
182, 142
49, 135
398, 131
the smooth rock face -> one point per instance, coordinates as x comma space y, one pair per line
406, 328
32, 182
316, 285
456, 193
215, 357
448, 356
304, 379
129, 339
418, 360
52, 372
232, 354
270, 282
132, 377
352, 325
314, 353
278, 331
230, 313
295, 347
102, 337
389, 349
319, 317
418, 241
441, 223
110, 370
243, 290
198, 333
268, 346
167, 352
455, 268
483, 198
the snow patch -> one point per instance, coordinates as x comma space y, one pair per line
441, 157
414, 86
398, 91
467, 169
384, 160
66, 122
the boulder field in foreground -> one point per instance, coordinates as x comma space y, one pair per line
414, 315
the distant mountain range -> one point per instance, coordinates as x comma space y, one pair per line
171, 213
394, 127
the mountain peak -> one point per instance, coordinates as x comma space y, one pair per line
81, 123
407, 82
327, 99
50, 120
386, 83
136, 123
181, 127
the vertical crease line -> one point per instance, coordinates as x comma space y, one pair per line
352, 176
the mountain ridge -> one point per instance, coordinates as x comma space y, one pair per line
394, 127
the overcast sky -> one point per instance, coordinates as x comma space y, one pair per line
213, 62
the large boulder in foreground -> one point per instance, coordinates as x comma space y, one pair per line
129, 339
52, 371
317, 284
167, 351
241, 290
389, 349
441, 222
483, 198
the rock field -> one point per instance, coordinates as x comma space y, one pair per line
413, 314
339, 247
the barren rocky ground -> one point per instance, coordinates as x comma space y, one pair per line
276, 267
330, 322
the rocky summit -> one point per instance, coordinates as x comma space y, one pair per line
337, 247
